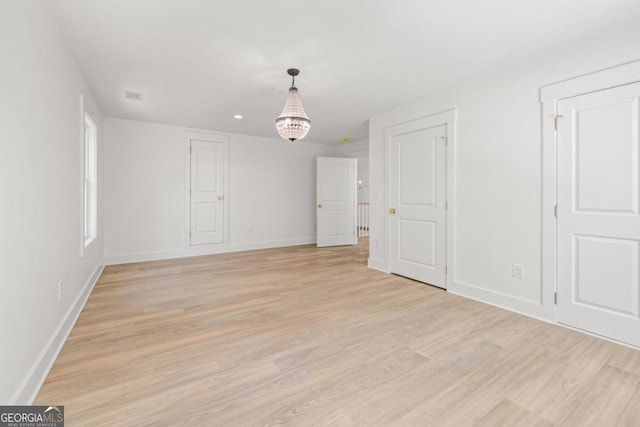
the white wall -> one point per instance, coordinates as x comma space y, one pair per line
497, 176
359, 150
40, 197
271, 191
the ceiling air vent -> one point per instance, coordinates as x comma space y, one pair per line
134, 96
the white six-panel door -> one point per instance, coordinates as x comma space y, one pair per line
417, 201
598, 224
207, 192
336, 201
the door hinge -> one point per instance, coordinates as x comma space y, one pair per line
555, 211
555, 121
555, 298
446, 269
446, 205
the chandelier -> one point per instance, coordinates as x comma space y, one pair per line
293, 123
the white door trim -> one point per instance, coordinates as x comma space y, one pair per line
549, 97
448, 119
211, 137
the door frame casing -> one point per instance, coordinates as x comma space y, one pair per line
208, 137
549, 97
448, 119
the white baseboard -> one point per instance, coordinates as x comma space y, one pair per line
30, 387
271, 244
145, 256
377, 264
205, 250
508, 302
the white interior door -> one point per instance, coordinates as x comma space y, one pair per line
337, 201
207, 192
598, 225
417, 202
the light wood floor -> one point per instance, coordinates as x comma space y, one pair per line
307, 336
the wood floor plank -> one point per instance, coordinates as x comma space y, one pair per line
507, 413
596, 405
306, 336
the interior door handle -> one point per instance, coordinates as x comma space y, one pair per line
392, 211
320, 205
220, 198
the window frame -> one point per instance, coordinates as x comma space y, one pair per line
89, 181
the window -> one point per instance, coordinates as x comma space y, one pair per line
90, 184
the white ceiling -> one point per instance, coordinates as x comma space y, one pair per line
199, 62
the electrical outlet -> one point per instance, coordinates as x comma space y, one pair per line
518, 271
60, 290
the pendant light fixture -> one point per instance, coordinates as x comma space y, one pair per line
293, 123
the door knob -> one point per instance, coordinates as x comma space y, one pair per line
220, 198
392, 211
320, 205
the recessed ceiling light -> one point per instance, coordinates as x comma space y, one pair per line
237, 116
134, 96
